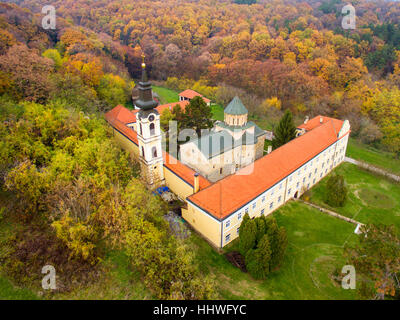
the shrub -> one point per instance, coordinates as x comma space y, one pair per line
247, 235
263, 244
336, 191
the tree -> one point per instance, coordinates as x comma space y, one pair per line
29, 73
376, 258
263, 244
197, 115
285, 130
247, 235
336, 191
113, 90
165, 118
258, 260
54, 55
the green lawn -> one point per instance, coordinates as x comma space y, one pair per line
166, 95
362, 152
9, 292
218, 112
371, 198
117, 282
315, 248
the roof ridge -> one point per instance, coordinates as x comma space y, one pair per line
278, 176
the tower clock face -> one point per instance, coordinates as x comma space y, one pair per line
151, 117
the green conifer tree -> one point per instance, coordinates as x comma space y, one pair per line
336, 191
285, 131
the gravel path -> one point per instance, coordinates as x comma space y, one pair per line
373, 169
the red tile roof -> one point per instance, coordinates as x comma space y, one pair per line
316, 122
116, 118
170, 106
231, 193
190, 94
122, 114
129, 116
183, 171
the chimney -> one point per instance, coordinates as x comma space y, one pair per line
196, 187
306, 119
321, 119
269, 149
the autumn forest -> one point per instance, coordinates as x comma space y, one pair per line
56, 84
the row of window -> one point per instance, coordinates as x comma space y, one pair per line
152, 129
153, 151
271, 205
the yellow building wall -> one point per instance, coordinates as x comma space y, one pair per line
126, 144
177, 185
279, 195
204, 224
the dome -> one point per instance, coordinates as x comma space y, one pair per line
235, 107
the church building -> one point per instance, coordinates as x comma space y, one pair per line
234, 177
232, 144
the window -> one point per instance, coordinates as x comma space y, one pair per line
289, 191
313, 181
272, 192
262, 211
220, 171
227, 237
239, 216
228, 223
297, 184
141, 131
143, 153
304, 179
152, 129
254, 205
309, 176
280, 186
271, 205
237, 230
246, 210
308, 186
263, 199
315, 171
279, 199
320, 175
154, 152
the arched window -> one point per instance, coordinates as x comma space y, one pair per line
154, 152
152, 129
143, 152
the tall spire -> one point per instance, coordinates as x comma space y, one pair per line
145, 101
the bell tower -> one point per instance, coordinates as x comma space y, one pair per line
149, 133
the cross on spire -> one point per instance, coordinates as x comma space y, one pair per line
143, 64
